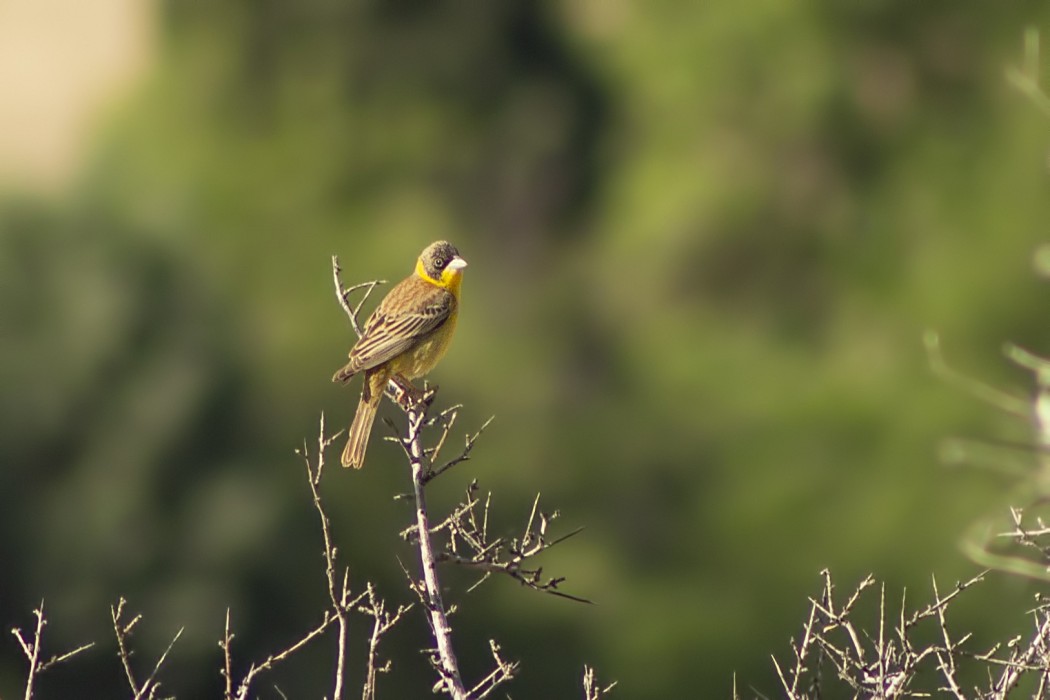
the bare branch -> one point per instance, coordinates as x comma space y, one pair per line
59, 658
463, 456
149, 684
469, 545
343, 294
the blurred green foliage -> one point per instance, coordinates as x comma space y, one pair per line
704, 238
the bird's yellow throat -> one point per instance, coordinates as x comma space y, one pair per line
450, 277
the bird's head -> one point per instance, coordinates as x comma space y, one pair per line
440, 263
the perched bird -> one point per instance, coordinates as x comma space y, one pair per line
404, 337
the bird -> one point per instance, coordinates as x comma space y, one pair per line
404, 338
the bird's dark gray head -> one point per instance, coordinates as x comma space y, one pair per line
439, 257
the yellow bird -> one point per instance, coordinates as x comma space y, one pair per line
404, 337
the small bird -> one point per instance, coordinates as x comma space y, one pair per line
404, 338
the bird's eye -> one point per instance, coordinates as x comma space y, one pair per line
439, 264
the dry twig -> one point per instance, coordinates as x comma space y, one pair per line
592, 689
502, 672
469, 545
274, 659
344, 294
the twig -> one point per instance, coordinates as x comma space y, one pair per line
32, 650
256, 669
1023, 662
447, 418
153, 687
498, 556
226, 671
343, 294
463, 456
946, 658
593, 690
939, 604
499, 675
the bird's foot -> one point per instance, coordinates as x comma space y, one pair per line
409, 396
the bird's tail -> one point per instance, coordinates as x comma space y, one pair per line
346, 373
361, 428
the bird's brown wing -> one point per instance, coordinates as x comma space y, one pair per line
409, 313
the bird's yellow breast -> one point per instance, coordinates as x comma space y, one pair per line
418, 361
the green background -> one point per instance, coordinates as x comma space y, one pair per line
704, 241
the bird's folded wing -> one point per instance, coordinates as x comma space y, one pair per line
387, 336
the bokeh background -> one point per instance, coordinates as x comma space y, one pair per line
705, 239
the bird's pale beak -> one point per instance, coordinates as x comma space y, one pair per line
457, 263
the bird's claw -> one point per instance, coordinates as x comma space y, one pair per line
407, 396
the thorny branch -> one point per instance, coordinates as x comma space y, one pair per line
469, 544
906, 661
